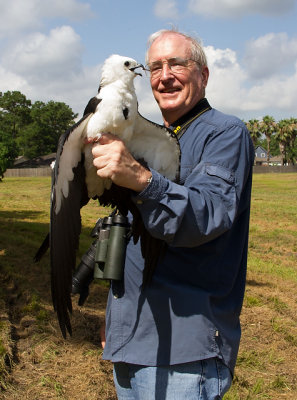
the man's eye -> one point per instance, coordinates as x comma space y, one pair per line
156, 67
178, 63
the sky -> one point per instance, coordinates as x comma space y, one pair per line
54, 50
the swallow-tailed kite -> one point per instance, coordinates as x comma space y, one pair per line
115, 110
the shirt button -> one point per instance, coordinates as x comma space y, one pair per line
139, 202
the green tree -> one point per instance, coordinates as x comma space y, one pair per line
253, 126
291, 142
8, 150
282, 136
49, 121
274, 147
16, 108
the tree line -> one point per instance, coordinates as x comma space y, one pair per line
33, 129
276, 137
30, 129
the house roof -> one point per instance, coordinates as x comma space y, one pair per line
260, 148
42, 161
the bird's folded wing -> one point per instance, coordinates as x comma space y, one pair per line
69, 153
65, 224
158, 146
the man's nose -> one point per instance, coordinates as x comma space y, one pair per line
166, 72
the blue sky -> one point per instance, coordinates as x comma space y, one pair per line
54, 50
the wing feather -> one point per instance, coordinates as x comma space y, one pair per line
69, 154
158, 146
69, 194
65, 228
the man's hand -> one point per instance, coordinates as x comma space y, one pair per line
113, 160
102, 335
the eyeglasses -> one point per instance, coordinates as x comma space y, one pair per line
176, 65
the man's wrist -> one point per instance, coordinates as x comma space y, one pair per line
145, 180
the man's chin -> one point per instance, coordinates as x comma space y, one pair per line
170, 103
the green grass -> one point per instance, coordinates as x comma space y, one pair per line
267, 360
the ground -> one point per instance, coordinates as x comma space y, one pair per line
36, 363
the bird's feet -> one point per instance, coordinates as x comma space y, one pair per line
94, 139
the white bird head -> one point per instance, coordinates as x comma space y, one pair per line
121, 68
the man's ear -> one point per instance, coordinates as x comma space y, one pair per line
205, 75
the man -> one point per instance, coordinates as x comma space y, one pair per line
178, 338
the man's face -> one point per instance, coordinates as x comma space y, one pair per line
177, 93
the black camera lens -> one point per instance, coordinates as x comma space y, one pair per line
84, 273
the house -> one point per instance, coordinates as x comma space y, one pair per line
260, 156
275, 161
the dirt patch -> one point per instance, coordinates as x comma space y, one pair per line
43, 364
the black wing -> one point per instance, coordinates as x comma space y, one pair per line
65, 227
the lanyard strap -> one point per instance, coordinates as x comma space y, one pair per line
180, 129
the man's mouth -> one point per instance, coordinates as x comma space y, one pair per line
172, 90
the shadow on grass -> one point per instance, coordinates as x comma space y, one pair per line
252, 282
20, 237
20, 214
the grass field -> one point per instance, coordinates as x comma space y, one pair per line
35, 361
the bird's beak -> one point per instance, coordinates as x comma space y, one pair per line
137, 66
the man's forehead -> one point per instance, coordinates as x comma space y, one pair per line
169, 45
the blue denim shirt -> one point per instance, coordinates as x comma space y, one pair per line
191, 309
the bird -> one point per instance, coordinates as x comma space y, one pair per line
114, 109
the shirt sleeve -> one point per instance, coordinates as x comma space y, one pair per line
205, 206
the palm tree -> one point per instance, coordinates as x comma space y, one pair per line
292, 153
268, 127
282, 135
253, 126
286, 136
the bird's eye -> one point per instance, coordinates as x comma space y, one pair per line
127, 63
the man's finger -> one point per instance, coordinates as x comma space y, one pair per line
106, 138
102, 138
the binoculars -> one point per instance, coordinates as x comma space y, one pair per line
105, 258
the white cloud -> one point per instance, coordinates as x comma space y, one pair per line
276, 94
74, 88
166, 9
226, 80
40, 57
11, 81
49, 67
239, 8
270, 54
20, 15
231, 91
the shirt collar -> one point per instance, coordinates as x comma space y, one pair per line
197, 110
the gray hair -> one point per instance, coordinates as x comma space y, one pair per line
198, 53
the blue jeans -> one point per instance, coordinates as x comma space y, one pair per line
200, 380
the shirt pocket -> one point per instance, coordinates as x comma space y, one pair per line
225, 184
221, 172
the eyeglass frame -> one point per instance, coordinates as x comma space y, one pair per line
157, 73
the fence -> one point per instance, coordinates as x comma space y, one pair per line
26, 172
46, 171
263, 169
